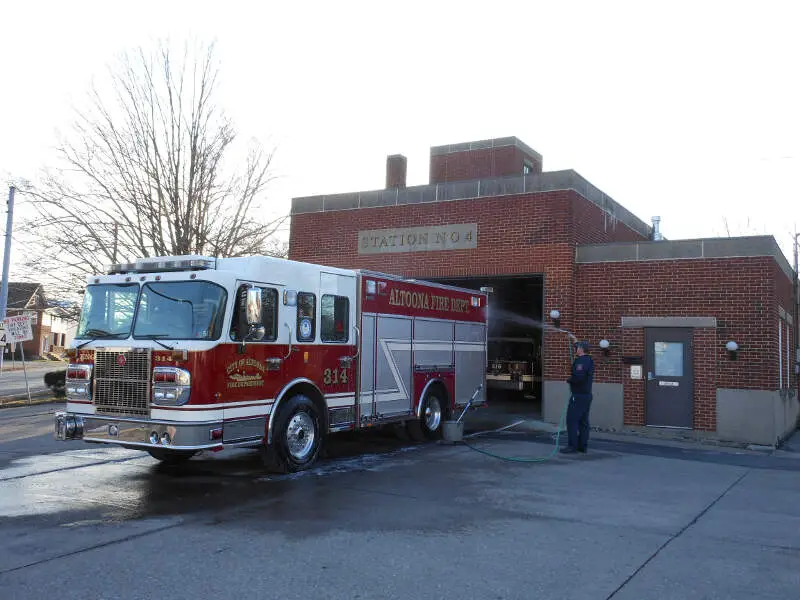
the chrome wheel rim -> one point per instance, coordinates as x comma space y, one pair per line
433, 413
300, 435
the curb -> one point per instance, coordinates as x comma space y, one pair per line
18, 400
534, 426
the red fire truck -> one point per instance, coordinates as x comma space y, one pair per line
175, 355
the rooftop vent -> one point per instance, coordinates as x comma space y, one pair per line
656, 231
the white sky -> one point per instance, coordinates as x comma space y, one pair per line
687, 110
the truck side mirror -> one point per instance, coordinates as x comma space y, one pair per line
254, 306
257, 333
250, 326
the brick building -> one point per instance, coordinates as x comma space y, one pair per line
51, 326
551, 241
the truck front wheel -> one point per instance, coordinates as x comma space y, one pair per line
296, 438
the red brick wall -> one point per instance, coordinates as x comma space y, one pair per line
480, 164
739, 292
591, 225
522, 234
631, 343
704, 384
396, 168
705, 359
783, 295
516, 234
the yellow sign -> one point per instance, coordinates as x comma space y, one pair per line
238, 376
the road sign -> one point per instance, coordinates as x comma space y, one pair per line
3, 338
18, 328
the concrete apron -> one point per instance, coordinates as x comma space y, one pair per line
737, 423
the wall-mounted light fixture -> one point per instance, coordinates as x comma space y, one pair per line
797, 361
604, 344
732, 348
556, 318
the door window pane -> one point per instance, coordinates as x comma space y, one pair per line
334, 313
669, 359
269, 313
306, 312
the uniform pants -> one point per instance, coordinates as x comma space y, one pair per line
578, 421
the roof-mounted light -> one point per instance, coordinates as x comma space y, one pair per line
160, 264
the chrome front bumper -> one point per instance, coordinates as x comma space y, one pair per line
137, 432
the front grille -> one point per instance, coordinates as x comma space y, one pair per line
122, 389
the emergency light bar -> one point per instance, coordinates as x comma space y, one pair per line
160, 263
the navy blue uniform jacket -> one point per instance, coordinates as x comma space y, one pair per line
580, 382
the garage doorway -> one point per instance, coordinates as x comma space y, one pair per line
514, 349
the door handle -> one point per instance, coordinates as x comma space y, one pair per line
289, 353
358, 340
345, 362
274, 364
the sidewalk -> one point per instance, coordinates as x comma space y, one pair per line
501, 416
16, 366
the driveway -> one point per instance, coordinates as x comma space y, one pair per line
381, 518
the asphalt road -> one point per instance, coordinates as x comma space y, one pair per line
383, 519
12, 383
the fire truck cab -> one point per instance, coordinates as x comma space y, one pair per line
176, 355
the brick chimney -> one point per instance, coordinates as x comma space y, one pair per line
396, 165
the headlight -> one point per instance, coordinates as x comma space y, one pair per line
171, 386
79, 382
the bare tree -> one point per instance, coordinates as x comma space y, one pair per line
151, 169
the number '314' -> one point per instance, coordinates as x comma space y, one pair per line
334, 376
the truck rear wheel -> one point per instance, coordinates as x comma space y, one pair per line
429, 425
297, 437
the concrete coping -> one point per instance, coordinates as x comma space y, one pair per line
473, 189
735, 247
484, 145
697, 322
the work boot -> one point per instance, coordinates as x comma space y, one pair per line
568, 450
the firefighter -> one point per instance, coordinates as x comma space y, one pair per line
580, 402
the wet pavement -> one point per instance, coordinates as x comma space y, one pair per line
383, 518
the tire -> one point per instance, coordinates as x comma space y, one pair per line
171, 457
434, 412
297, 438
400, 431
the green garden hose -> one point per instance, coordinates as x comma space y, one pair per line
522, 459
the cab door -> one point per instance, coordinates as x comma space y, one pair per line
338, 338
254, 374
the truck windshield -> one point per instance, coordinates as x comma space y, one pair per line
107, 311
180, 310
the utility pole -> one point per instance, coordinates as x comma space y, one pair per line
6, 266
7, 254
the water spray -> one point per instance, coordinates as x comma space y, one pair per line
561, 422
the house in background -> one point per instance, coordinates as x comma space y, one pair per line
52, 329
